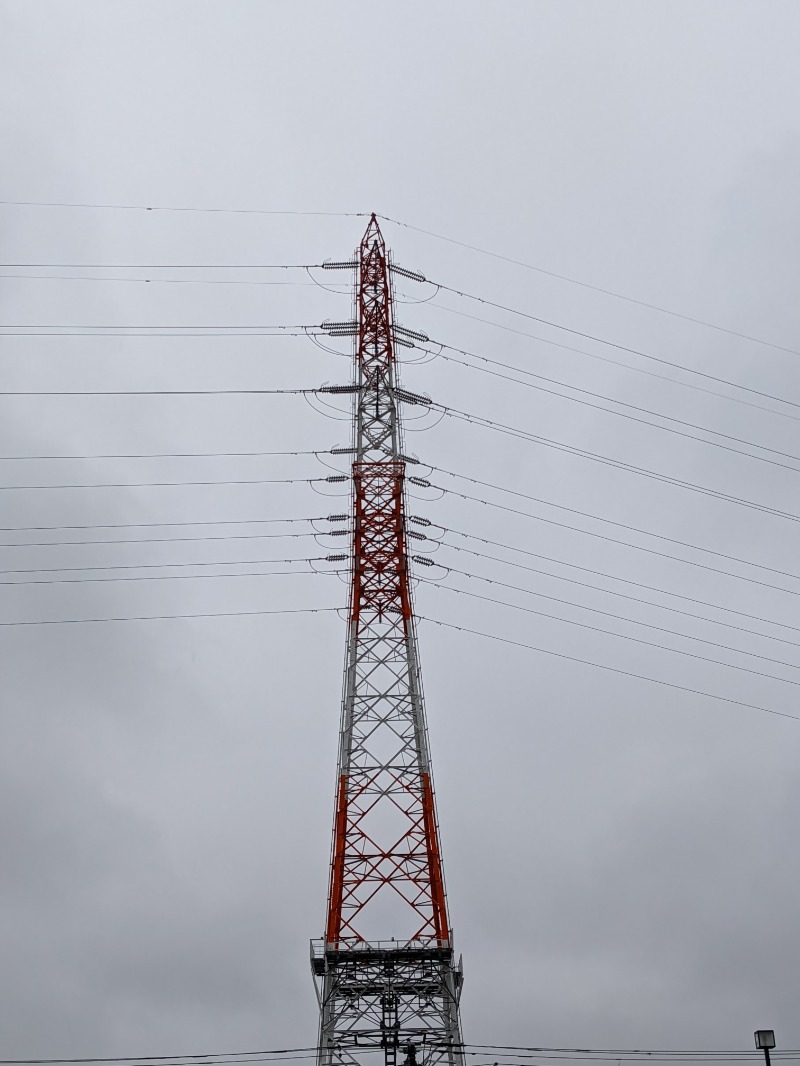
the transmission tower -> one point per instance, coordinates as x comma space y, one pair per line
385, 973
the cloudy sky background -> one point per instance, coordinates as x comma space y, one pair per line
621, 858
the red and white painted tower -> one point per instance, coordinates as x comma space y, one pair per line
385, 972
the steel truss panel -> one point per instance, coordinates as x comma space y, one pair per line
386, 870
402, 999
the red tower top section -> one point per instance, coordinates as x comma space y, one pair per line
377, 421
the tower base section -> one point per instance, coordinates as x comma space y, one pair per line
390, 997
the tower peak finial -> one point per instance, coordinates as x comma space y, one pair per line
373, 230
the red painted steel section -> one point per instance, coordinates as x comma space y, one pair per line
434, 861
375, 342
337, 864
380, 565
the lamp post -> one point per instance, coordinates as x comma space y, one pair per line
765, 1040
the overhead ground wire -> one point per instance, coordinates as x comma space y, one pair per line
595, 288
165, 617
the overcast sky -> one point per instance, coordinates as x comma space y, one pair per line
621, 857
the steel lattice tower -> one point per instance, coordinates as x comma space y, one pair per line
385, 972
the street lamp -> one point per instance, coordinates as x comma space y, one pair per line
765, 1040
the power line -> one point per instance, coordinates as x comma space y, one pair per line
158, 329
278, 1057
166, 566
167, 484
156, 325
605, 460
613, 344
596, 288
606, 614
159, 618
162, 455
619, 636
161, 266
167, 281
417, 229
609, 669
622, 543
228, 332
627, 581
173, 577
616, 362
171, 539
616, 1052
619, 1057
207, 1058
622, 403
151, 525
612, 522
162, 540
618, 525
158, 392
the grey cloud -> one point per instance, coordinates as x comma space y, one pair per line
621, 858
